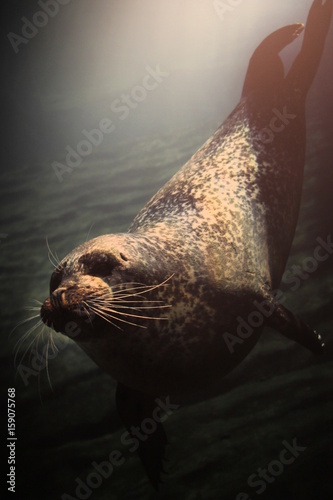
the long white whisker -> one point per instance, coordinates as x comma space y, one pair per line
25, 352
133, 294
38, 302
142, 307
127, 303
23, 322
86, 308
52, 343
146, 288
132, 285
108, 315
23, 339
122, 304
115, 311
105, 317
139, 300
112, 305
53, 258
89, 231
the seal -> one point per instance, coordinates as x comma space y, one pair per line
161, 307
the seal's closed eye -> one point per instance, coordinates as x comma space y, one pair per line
99, 264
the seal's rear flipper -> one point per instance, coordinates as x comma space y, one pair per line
265, 73
293, 328
134, 408
305, 67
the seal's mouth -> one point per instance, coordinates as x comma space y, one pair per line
70, 304
46, 313
67, 310
61, 319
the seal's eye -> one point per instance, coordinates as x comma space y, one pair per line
99, 264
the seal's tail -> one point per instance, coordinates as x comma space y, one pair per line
305, 67
265, 74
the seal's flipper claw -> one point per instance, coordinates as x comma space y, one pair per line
265, 71
295, 329
134, 407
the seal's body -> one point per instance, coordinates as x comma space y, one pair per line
166, 308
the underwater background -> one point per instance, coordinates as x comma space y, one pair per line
63, 80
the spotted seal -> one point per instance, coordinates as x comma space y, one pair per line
157, 308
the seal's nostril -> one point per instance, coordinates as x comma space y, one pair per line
58, 298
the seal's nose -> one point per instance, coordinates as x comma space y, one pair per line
58, 298
52, 309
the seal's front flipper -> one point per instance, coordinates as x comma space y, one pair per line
293, 328
135, 409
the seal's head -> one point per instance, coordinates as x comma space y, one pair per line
98, 286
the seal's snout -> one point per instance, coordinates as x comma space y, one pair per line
52, 312
47, 313
58, 298
58, 308
73, 302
